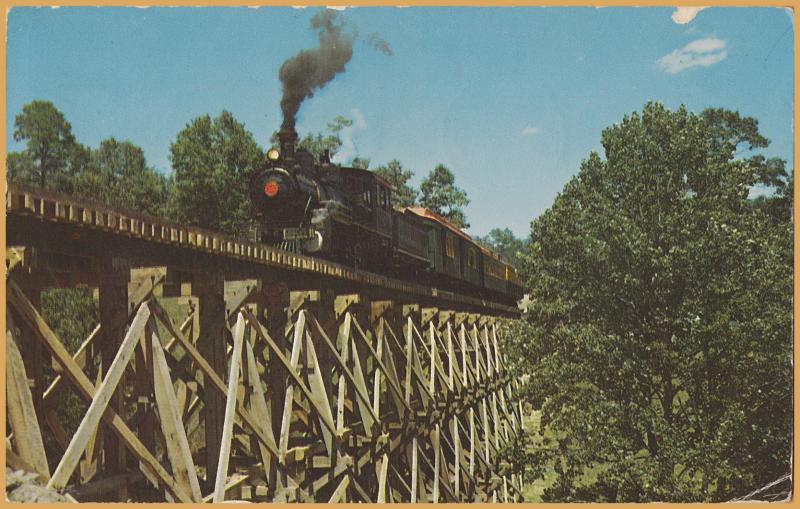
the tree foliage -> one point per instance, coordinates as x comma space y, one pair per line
213, 161
321, 143
51, 155
72, 314
404, 195
777, 206
659, 336
117, 173
503, 242
360, 162
440, 194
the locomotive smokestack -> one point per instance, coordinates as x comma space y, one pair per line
288, 139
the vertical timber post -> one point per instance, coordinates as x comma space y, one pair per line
381, 315
31, 349
323, 309
272, 307
211, 342
346, 303
114, 308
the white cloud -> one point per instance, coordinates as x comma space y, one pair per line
706, 45
348, 148
683, 15
789, 12
336, 7
529, 131
700, 53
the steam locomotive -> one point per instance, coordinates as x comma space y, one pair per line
346, 215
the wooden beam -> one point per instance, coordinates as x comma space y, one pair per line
21, 414
340, 493
436, 460
17, 300
175, 439
259, 409
91, 456
235, 481
114, 311
382, 476
457, 458
100, 401
210, 290
391, 373
213, 378
342, 303
291, 367
230, 408
376, 379
414, 469
236, 294
52, 390
344, 341
346, 373
273, 301
318, 393
382, 366
204, 367
54, 423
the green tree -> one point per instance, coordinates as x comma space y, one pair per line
404, 195
117, 173
51, 156
21, 167
504, 243
72, 313
440, 194
321, 142
778, 205
213, 161
658, 342
360, 162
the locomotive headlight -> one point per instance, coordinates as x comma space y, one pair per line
273, 154
271, 188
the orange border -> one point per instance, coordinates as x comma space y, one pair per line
794, 4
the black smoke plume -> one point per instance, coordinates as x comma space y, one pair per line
311, 69
380, 44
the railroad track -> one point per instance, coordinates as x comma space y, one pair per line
68, 225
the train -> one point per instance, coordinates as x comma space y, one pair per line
346, 215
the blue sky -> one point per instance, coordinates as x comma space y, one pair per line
510, 99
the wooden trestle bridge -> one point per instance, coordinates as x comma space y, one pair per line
279, 378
